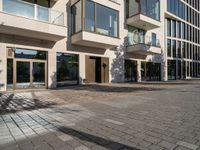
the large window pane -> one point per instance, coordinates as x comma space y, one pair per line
30, 54
76, 17
174, 48
106, 21
9, 73
168, 27
173, 28
132, 7
169, 48
89, 16
67, 69
153, 9
135, 35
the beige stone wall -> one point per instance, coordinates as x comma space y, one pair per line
116, 55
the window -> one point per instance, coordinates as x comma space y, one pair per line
173, 28
183, 50
169, 48
135, 35
89, 16
168, 27
179, 49
183, 30
145, 7
179, 29
30, 54
154, 39
174, 48
97, 18
76, 17
67, 69
106, 21
9, 73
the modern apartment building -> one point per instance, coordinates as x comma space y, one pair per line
54, 43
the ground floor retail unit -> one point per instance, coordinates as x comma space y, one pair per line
29, 69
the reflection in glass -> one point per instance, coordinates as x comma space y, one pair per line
135, 35
19, 8
38, 74
9, 73
76, 17
30, 54
130, 71
106, 21
150, 8
67, 69
43, 14
89, 16
23, 74
150, 71
171, 70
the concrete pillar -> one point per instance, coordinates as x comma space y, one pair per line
51, 69
164, 70
1, 5
3, 67
82, 73
139, 76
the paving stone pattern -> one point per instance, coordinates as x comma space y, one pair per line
156, 116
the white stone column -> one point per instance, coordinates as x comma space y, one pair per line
3, 67
82, 73
139, 76
51, 68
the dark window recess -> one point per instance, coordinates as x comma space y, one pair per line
67, 69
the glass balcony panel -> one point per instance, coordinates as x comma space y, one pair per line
20, 8
43, 14
57, 17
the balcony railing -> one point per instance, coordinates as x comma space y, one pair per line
147, 40
32, 11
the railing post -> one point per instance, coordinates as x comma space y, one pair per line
1, 5
35, 11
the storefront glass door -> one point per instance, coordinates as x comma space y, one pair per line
29, 74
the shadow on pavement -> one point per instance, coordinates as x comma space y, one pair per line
10, 103
108, 144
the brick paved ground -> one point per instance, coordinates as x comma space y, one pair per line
103, 117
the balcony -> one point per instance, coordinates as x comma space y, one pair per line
144, 46
143, 14
88, 29
31, 20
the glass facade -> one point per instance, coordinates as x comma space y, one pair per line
183, 39
67, 69
30, 54
76, 12
150, 8
150, 71
130, 71
97, 18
